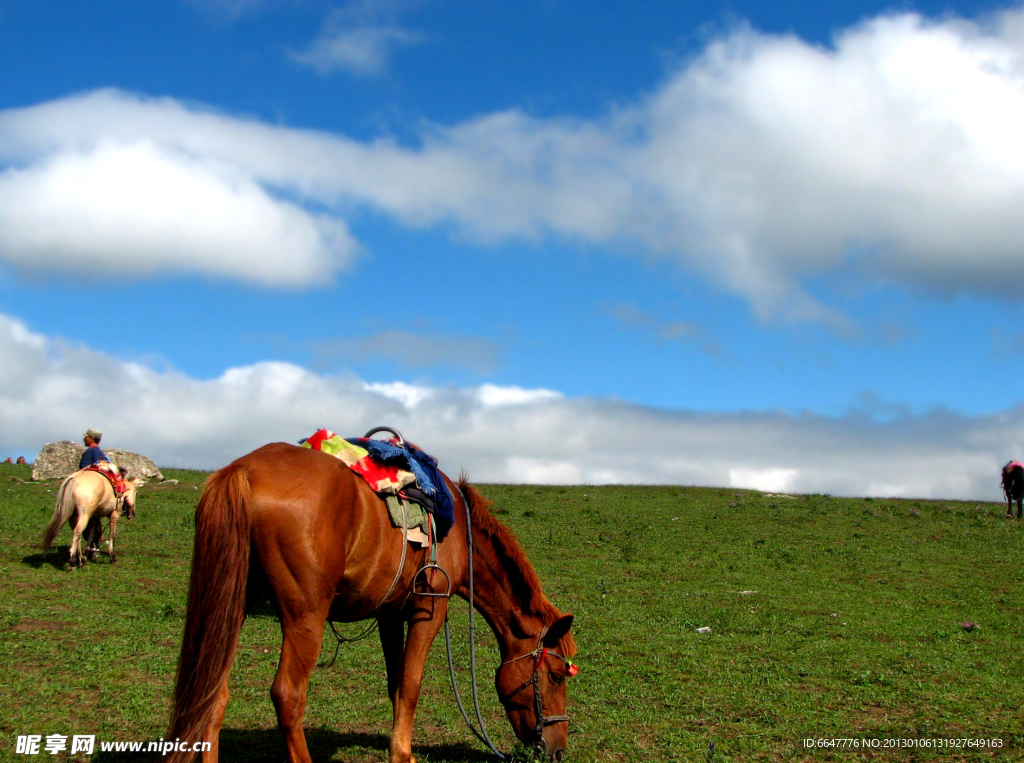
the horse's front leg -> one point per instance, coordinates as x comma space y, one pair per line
392, 642
91, 538
113, 532
423, 628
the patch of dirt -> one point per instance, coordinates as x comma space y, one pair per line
30, 624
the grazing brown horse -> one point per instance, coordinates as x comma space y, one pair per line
84, 498
1013, 488
298, 526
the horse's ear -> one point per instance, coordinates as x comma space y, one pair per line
557, 631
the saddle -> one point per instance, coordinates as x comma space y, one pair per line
117, 482
403, 476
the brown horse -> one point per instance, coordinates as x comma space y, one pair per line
298, 526
84, 498
1013, 487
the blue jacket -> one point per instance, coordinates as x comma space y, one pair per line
92, 456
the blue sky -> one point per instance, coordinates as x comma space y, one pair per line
778, 242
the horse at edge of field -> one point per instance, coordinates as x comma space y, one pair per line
297, 526
1013, 487
84, 499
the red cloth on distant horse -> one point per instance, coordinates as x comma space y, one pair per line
116, 480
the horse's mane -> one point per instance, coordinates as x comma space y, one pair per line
526, 586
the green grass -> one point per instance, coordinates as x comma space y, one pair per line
829, 617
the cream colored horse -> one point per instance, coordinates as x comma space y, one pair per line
83, 500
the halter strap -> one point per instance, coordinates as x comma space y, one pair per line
534, 680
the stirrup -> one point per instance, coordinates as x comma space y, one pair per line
423, 569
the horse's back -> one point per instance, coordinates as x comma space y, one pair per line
283, 475
314, 521
91, 491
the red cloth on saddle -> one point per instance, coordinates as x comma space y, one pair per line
382, 478
116, 480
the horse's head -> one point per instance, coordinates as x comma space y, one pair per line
131, 486
531, 687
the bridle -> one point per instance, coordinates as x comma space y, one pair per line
538, 655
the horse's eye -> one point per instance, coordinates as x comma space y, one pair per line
556, 678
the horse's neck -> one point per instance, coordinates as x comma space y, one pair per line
504, 607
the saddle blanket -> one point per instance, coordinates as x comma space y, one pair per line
391, 469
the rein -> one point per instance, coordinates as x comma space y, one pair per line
539, 654
482, 733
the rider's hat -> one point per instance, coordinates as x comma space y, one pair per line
93, 433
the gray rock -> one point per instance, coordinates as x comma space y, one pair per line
137, 466
59, 459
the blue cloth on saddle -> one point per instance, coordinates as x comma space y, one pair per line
428, 477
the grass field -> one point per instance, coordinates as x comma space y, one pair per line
829, 617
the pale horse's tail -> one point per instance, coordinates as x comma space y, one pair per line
62, 511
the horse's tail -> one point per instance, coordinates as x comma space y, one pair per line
63, 508
216, 603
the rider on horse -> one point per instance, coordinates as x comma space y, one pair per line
93, 455
94, 458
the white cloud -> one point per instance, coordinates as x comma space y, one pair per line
362, 50
762, 163
768, 480
491, 395
409, 395
533, 471
141, 210
360, 38
48, 392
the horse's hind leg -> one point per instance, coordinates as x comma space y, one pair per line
300, 648
212, 732
79, 524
